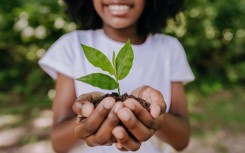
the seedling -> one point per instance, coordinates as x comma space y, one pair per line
119, 67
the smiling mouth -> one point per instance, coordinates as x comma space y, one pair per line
119, 9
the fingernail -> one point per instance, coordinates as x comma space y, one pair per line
119, 134
118, 105
119, 145
125, 116
86, 110
80, 112
108, 104
156, 111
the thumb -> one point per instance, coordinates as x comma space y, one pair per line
83, 110
155, 110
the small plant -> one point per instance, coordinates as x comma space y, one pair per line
119, 67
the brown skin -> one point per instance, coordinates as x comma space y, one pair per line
123, 27
168, 127
176, 130
63, 116
101, 126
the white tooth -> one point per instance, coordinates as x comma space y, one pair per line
118, 7
126, 7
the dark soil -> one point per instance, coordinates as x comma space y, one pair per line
123, 97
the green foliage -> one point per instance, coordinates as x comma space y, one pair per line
100, 80
220, 110
98, 59
28, 28
212, 33
120, 66
124, 61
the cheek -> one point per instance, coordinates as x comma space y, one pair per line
140, 8
98, 7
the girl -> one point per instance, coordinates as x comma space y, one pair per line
160, 69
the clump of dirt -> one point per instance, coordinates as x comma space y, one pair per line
122, 98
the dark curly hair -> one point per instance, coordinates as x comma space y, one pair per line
152, 20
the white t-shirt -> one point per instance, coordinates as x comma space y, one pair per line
159, 61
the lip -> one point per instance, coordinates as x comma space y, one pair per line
117, 2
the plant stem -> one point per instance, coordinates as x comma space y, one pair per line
118, 87
118, 90
115, 73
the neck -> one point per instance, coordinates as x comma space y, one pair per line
122, 35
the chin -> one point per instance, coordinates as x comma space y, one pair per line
119, 24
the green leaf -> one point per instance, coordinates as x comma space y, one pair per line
98, 59
100, 80
124, 61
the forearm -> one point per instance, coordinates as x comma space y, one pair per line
175, 131
63, 137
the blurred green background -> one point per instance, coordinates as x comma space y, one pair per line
212, 33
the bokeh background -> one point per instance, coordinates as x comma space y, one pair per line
212, 32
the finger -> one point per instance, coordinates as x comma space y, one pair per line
143, 115
125, 140
83, 106
120, 147
133, 125
154, 97
83, 110
155, 110
104, 135
77, 108
92, 123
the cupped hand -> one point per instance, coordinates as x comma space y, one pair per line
83, 106
154, 97
139, 124
96, 128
